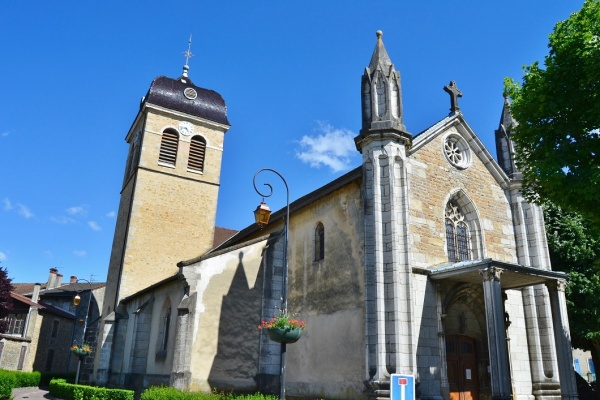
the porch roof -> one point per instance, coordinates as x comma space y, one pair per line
514, 276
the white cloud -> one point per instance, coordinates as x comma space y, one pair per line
80, 253
7, 205
331, 147
94, 225
2, 256
62, 220
76, 210
24, 211
111, 214
4, 134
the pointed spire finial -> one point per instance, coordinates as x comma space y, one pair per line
188, 54
379, 34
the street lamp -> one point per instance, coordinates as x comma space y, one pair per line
262, 214
76, 301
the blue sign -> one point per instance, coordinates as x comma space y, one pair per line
402, 387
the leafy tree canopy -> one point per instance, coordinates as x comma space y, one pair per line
575, 249
557, 109
5, 299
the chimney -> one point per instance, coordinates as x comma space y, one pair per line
58, 280
73, 279
35, 296
52, 279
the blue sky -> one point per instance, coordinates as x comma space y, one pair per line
72, 74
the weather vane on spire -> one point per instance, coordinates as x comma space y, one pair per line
188, 54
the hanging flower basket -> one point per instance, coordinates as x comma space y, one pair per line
282, 329
81, 351
284, 335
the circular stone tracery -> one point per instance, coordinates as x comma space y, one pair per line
457, 152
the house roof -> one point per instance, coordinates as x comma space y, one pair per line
222, 234
42, 306
26, 289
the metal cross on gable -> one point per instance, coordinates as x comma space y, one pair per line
454, 93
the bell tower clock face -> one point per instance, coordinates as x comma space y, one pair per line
186, 128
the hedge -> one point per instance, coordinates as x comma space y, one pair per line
60, 388
16, 379
165, 392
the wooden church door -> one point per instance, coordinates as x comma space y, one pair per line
461, 359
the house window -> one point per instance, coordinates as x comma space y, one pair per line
457, 234
197, 153
319, 242
55, 325
16, 323
168, 147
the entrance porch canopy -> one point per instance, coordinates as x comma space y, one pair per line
514, 276
497, 276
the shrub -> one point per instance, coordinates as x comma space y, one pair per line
7, 383
60, 388
165, 392
27, 379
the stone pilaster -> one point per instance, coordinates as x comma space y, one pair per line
562, 338
497, 345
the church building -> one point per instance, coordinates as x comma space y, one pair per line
425, 261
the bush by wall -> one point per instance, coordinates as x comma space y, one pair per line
60, 388
16, 379
164, 392
7, 383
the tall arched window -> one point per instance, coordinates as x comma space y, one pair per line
457, 234
319, 242
197, 152
165, 323
168, 147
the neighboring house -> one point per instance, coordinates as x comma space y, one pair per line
425, 261
47, 323
584, 365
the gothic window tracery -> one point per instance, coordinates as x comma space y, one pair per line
457, 234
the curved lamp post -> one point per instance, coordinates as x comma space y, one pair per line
76, 301
262, 214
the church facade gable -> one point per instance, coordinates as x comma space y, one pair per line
435, 183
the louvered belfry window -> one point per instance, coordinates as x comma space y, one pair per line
168, 147
197, 153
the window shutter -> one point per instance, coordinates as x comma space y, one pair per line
168, 147
197, 153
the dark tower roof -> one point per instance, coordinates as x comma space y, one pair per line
183, 96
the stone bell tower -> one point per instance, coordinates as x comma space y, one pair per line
383, 142
170, 188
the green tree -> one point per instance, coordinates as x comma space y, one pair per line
557, 109
575, 249
5, 299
